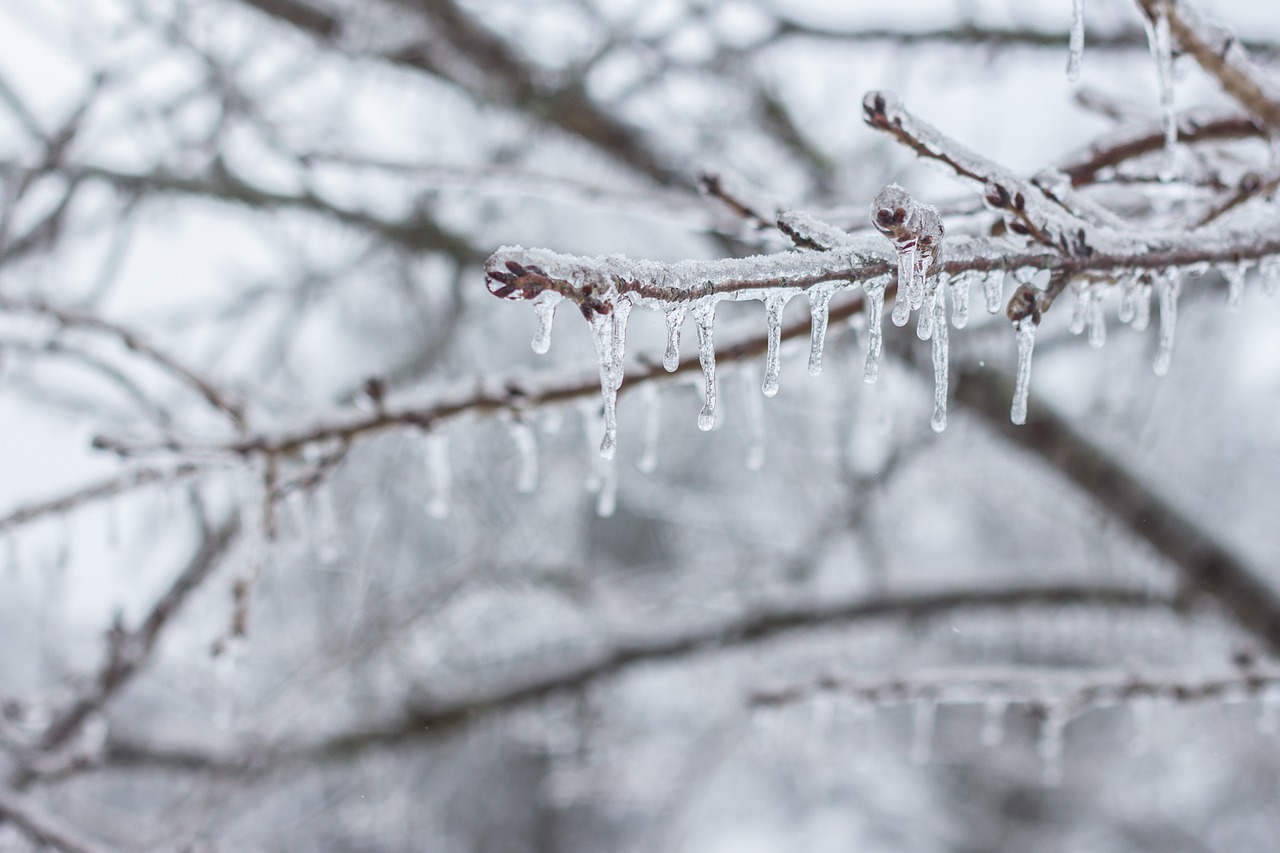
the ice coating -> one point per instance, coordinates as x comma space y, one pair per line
773, 305
1141, 306
916, 232
1026, 329
1076, 48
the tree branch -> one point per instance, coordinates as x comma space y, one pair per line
44, 828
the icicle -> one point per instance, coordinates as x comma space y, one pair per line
940, 353
592, 423
1235, 275
1141, 307
603, 335
819, 305
1097, 322
1269, 710
924, 716
1079, 309
652, 424
1022, 386
439, 475
544, 308
1269, 268
902, 296
773, 306
607, 495
621, 311
960, 300
1077, 41
993, 290
1049, 744
1161, 43
993, 721
873, 304
704, 315
924, 323
675, 319
1128, 300
325, 520
1141, 708
1168, 286
527, 447
755, 421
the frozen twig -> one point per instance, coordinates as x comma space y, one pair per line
110, 487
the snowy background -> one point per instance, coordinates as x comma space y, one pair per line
289, 198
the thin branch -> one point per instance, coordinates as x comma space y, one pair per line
1070, 691
101, 490
1205, 563
44, 828
74, 319
433, 717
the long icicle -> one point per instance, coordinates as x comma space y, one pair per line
773, 306
704, 315
940, 361
1022, 385
1076, 47
873, 304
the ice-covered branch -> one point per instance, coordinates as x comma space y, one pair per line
105, 489
438, 716
1221, 55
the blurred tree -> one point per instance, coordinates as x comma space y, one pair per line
300, 555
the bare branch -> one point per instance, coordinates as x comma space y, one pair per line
44, 828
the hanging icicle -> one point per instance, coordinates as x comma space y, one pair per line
675, 320
1168, 286
1161, 43
704, 316
940, 359
960, 286
873, 305
773, 306
1076, 47
916, 232
1026, 328
819, 310
544, 309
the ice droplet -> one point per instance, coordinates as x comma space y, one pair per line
873, 304
544, 309
940, 358
1076, 48
652, 424
704, 315
923, 718
960, 300
675, 320
1168, 285
993, 290
1161, 43
755, 421
1022, 384
819, 310
993, 715
527, 447
773, 306
439, 474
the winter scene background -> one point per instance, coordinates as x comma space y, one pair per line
636, 425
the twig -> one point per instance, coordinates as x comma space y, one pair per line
70, 318
108, 488
44, 828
